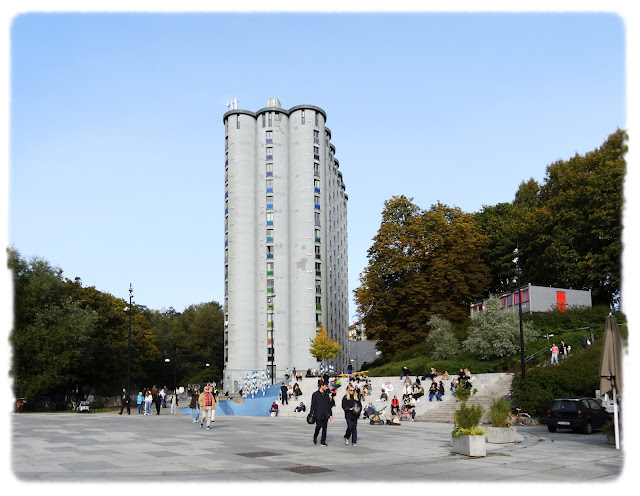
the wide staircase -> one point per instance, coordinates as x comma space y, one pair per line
489, 386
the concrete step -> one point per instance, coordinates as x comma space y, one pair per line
489, 386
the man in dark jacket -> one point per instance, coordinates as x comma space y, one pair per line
126, 401
321, 408
283, 393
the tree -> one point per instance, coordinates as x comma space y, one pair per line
323, 347
579, 243
441, 339
53, 335
495, 333
421, 263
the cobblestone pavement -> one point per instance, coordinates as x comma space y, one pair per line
107, 447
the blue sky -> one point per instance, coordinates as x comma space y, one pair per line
117, 143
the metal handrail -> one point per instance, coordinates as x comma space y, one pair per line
531, 357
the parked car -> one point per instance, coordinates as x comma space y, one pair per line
577, 413
84, 406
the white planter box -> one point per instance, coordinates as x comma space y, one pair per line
499, 435
469, 445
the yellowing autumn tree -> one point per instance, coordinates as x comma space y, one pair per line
323, 347
422, 263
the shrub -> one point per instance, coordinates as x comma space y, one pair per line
495, 333
577, 376
441, 339
499, 413
466, 418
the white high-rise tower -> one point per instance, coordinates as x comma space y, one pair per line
285, 241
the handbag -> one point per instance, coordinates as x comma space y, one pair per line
311, 418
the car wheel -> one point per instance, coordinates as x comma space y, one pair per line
552, 428
588, 428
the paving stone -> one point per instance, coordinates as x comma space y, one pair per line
106, 447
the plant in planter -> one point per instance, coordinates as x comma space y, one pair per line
608, 429
501, 430
467, 438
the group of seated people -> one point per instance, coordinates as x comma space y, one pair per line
436, 390
273, 411
412, 390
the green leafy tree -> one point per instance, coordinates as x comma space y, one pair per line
421, 263
323, 347
52, 337
568, 229
111, 341
441, 340
579, 244
495, 333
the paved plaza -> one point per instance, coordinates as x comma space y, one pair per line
107, 447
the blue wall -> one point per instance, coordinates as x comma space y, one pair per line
258, 406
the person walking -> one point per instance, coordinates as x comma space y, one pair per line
564, 348
140, 402
352, 408
174, 404
194, 405
125, 400
148, 399
208, 405
284, 393
554, 353
321, 408
158, 401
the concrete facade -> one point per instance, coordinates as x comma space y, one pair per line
285, 241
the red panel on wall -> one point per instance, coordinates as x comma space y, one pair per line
562, 300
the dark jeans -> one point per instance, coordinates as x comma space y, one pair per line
321, 424
123, 406
352, 430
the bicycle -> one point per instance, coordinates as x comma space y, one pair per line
522, 418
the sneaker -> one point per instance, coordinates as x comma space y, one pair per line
194, 421
354, 444
324, 444
315, 441
209, 427
346, 441
201, 426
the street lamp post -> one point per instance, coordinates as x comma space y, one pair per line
175, 373
516, 260
129, 342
